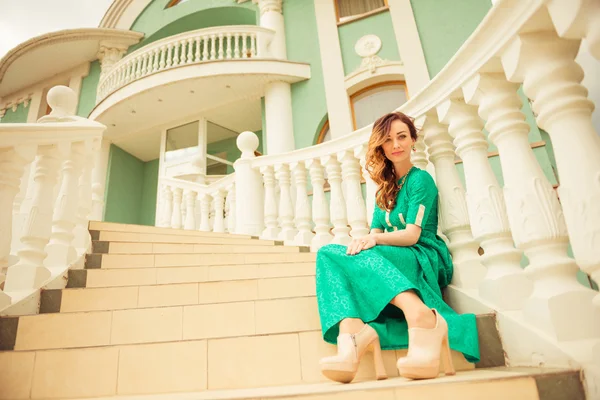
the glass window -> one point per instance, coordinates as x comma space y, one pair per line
182, 142
221, 149
372, 102
325, 134
347, 9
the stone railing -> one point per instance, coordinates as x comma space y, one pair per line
236, 42
520, 43
45, 200
188, 205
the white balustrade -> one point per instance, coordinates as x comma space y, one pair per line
218, 43
230, 202
286, 211
190, 206
355, 204
337, 204
218, 197
320, 208
176, 215
270, 208
303, 211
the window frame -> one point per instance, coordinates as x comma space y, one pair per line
371, 87
357, 16
323, 131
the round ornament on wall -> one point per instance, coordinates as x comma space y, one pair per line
368, 46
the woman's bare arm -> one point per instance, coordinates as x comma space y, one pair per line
406, 237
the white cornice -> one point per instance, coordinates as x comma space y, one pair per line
122, 13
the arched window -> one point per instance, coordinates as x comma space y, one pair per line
372, 102
324, 134
353, 9
172, 3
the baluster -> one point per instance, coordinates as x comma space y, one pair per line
564, 111
169, 55
190, 56
253, 44
320, 208
60, 249
303, 213
205, 201
236, 51
286, 208
487, 210
355, 204
167, 206
213, 46
244, 45
337, 205
82, 239
468, 270
197, 55
29, 272
229, 49
176, 215
190, 210
221, 50
205, 52
271, 227
360, 152
419, 157
12, 167
219, 203
581, 21
144, 63
176, 53
231, 213
157, 53
163, 55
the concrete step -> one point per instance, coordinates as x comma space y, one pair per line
107, 247
131, 228
491, 384
131, 297
116, 261
190, 365
79, 278
208, 238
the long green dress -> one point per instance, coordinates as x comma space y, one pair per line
362, 285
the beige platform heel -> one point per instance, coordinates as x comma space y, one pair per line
425, 348
351, 347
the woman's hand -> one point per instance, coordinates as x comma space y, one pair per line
360, 244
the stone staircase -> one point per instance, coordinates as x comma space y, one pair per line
159, 313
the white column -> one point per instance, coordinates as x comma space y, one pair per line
231, 208
219, 204
271, 17
338, 102
249, 192
360, 152
355, 204
468, 270
34, 106
29, 272
176, 215
99, 180
303, 211
286, 208
278, 116
12, 166
320, 208
337, 204
60, 249
409, 45
551, 78
487, 210
190, 214
272, 230
167, 210
205, 201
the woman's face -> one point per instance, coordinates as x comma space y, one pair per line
398, 144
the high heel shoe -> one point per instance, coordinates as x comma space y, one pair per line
351, 347
425, 346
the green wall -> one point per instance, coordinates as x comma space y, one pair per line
379, 24
87, 94
308, 97
156, 22
130, 195
18, 116
444, 25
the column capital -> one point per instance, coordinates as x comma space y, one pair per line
266, 6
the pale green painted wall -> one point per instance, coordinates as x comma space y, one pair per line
18, 116
444, 25
156, 22
149, 191
87, 94
130, 195
378, 24
302, 42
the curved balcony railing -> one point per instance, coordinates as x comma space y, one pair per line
236, 42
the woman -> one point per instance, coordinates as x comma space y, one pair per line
383, 291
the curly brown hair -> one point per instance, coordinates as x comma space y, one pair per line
380, 168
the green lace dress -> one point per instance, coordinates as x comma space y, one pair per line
361, 286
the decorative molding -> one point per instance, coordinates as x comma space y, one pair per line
266, 6
122, 13
362, 78
367, 47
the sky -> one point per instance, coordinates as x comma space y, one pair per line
21, 20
